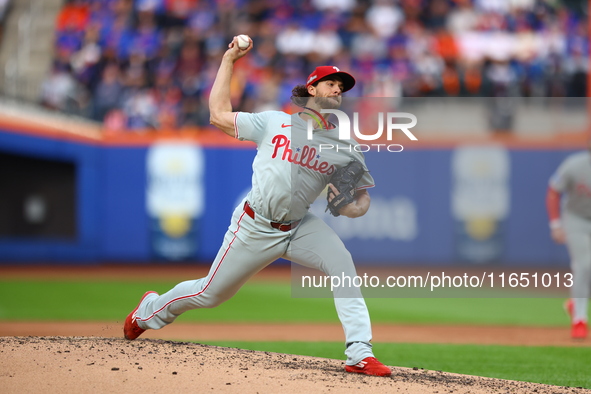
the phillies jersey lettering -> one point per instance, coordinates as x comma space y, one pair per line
308, 157
583, 190
281, 151
573, 178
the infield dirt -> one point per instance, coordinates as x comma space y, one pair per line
108, 365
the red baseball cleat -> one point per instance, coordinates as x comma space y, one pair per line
130, 329
369, 366
569, 308
579, 330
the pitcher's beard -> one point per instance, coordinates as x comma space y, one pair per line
328, 102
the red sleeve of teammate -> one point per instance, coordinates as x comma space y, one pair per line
553, 206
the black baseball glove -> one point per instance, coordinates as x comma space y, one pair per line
344, 180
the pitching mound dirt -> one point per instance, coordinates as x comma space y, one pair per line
92, 364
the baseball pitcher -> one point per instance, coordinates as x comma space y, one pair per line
289, 173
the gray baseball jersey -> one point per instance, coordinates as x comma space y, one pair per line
573, 178
289, 172
282, 141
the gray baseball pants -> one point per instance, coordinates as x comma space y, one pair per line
249, 246
578, 240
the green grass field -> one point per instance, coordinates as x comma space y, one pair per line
271, 302
549, 365
109, 300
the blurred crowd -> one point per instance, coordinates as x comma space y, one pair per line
150, 64
4, 8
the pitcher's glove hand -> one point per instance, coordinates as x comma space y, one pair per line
344, 180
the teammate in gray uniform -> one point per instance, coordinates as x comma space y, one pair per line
289, 173
572, 180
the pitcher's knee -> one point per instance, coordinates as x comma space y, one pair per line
343, 266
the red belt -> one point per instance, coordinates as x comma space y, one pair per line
277, 225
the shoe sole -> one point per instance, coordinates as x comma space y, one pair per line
368, 374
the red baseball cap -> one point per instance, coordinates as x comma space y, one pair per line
324, 71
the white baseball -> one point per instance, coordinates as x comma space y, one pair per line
243, 41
